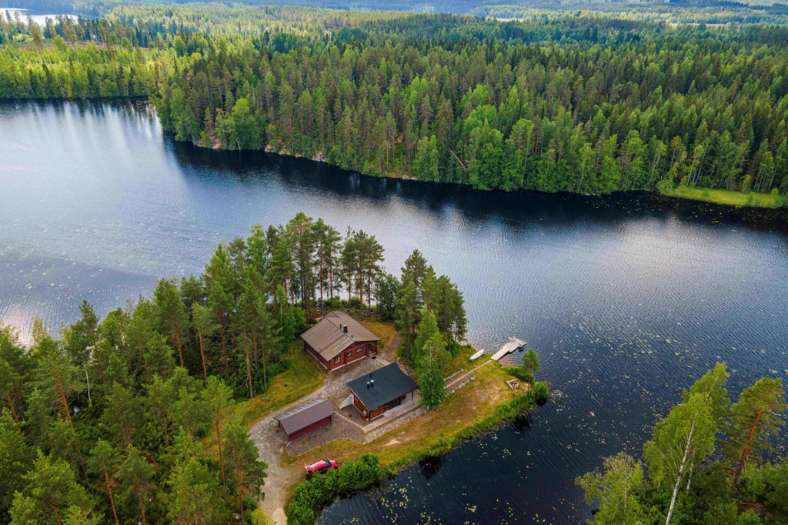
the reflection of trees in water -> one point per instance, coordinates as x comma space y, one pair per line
477, 207
521, 423
430, 466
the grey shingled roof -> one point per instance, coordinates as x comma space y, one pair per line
305, 415
389, 383
329, 340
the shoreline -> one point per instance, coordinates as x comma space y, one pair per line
724, 199
728, 198
399, 444
519, 406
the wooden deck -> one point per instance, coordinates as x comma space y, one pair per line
510, 346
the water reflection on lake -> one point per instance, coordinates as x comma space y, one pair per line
628, 299
23, 15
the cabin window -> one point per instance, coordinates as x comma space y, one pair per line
349, 354
338, 359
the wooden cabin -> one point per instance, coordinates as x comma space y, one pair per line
338, 340
381, 390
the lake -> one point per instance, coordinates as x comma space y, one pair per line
24, 15
627, 298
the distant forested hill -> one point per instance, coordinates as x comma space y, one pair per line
585, 103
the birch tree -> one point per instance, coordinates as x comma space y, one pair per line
616, 489
683, 437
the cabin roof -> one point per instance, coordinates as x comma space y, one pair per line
307, 414
335, 332
381, 386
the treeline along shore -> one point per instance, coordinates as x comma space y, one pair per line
588, 104
144, 415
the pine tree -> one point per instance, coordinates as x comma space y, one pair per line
218, 279
300, 231
754, 417
195, 493
46, 494
217, 397
407, 312
204, 325
136, 476
56, 375
103, 463
244, 467
327, 241
16, 458
172, 315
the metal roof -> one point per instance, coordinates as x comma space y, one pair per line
305, 415
381, 386
335, 332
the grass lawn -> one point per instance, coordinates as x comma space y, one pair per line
433, 433
729, 198
460, 360
302, 376
385, 330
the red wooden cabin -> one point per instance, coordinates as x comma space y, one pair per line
338, 340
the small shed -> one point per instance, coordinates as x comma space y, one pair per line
307, 418
381, 390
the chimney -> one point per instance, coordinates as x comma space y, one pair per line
344, 328
371, 383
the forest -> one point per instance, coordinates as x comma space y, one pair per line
587, 104
130, 418
709, 462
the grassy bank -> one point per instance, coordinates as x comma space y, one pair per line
302, 377
725, 197
475, 408
385, 330
437, 430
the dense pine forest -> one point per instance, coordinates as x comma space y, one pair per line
131, 418
552, 117
708, 462
587, 104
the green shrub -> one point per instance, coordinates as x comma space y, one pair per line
521, 374
541, 392
665, 185
317, 492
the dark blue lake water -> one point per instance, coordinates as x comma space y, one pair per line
628, 299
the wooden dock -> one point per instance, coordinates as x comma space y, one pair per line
510, 346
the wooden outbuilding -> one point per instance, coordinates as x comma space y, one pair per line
307, 418
381, 390
338, 340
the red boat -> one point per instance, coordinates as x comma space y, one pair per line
319, 466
